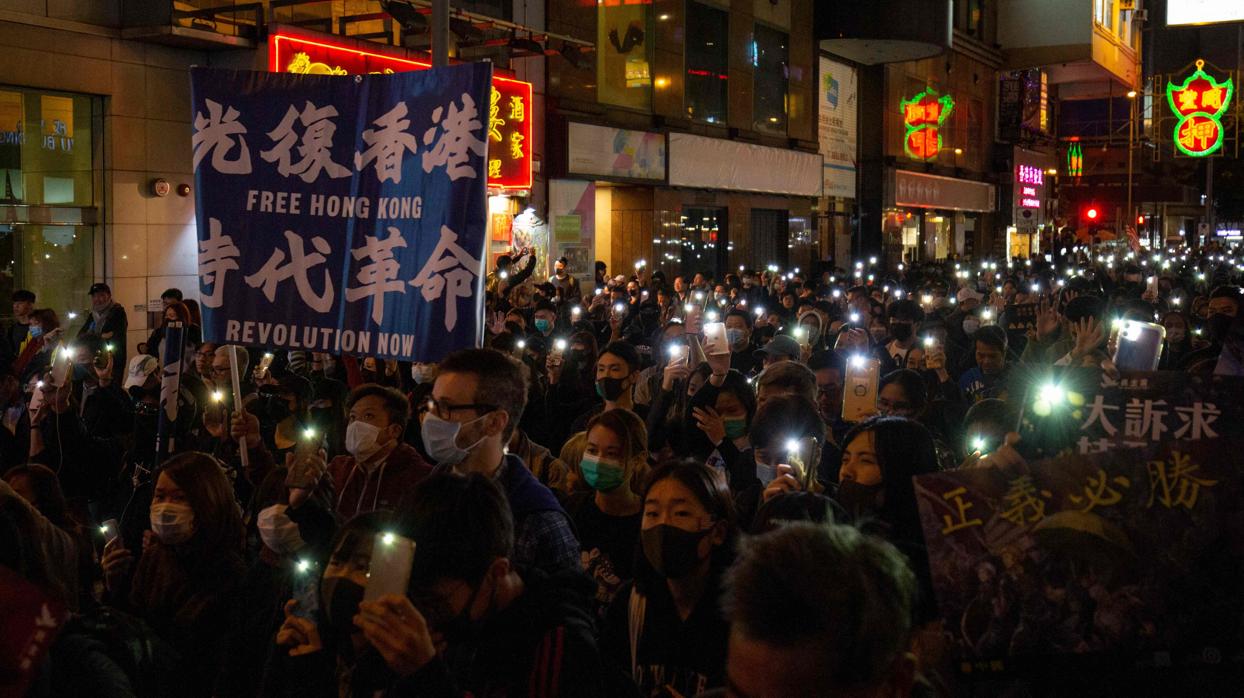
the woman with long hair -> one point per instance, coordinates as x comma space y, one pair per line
193, 335
665, 629
182, 581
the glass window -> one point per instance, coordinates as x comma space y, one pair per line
46, 146
707, 62
976, 18
769, 59
624, 55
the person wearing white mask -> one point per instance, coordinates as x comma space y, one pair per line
183, 581
379, 467
476, 402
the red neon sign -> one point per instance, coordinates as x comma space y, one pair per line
923, 117
510, 112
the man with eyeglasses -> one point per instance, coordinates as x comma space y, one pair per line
476, 403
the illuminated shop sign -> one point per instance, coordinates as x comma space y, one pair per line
923, 117
1199, 103
1075, 160
509, 113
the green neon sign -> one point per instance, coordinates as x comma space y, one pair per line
1199, 103
923, 117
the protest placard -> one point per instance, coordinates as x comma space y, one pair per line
342, 214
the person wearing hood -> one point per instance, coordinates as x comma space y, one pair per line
379, 467
106, 324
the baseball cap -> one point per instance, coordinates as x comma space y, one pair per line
966, 293
99, 287
139, 368
780, 345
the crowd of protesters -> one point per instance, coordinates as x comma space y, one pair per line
639, 486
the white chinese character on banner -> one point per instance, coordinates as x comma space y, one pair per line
1097, 413
1198, 419
315, 146
1145, 418
217, 255
214, 133
300, 264
387, 144
377, 277
457, 139
449, 269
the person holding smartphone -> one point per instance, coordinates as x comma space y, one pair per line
182, 579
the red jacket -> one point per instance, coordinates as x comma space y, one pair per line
359, 491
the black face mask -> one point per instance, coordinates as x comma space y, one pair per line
860, 501
1217, 327
610, 388
672, 551
462, 628
340, 599
901, 331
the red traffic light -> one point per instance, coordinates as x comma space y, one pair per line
1140, 220
1091, 213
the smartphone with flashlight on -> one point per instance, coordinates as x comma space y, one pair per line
859, 395
61, 365
799, 456
389, 572
715, 341
265, 363
1139, 346
556, 356
110, 529
305, 589
678, 354
101, 356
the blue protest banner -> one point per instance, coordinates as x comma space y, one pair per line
342, 214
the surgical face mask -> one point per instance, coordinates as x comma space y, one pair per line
560, 272
673, 552
420, 374
603, 474
35, 330
361, 440
277, 531
1217, 326
765, 473
172, 522
735, 337
340, 598
971, 325
440, 438
735, 427
543, 325
900, 331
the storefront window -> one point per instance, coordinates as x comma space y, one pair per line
47, 185
707, 63
693, 240
624, 55
769, 59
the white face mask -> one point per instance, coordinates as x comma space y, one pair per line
361, 440
277, 531
420, 374
173, 523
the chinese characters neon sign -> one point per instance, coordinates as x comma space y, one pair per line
1075, 160
1199, 103
923, 117
509, 110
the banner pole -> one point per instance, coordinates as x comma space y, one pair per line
170, 388
238, 406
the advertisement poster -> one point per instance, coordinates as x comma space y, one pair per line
838, 104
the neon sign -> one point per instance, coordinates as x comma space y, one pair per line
923, 116
1199, 103
510, 112
1027, 174
1075, 160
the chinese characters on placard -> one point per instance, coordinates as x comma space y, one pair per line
1174, 482
1145, 421
301, 146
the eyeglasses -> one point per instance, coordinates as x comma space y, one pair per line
445, 410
